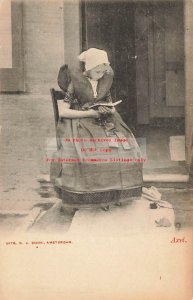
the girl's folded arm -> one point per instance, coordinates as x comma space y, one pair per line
67, 112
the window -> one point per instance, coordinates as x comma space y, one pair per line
5, 34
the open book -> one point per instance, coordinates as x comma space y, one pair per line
111, 104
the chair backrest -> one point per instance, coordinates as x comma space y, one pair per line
56, 96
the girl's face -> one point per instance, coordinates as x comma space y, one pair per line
97, 72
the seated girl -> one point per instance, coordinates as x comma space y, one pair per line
99, 158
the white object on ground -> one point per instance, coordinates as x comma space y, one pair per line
151, 193
177, 148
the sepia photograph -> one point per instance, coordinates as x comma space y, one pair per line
96, 155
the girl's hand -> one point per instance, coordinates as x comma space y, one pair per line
104, 110
112, 110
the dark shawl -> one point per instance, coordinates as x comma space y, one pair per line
82, 87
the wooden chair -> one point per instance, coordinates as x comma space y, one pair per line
56, 96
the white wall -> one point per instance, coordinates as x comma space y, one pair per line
43, 43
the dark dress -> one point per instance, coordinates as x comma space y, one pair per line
99, 160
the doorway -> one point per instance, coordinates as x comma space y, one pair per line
160, 85
159, 40
145, 43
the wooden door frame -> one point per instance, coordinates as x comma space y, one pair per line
72, 31
188, 24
